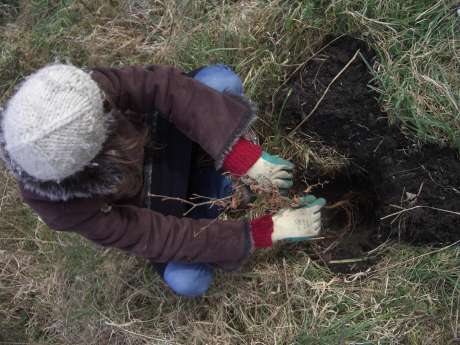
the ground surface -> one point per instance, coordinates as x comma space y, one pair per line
389, 181
57, 288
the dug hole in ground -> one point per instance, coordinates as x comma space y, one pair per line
389, 186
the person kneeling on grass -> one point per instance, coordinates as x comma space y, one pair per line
87, 148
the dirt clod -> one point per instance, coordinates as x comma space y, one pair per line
393, 187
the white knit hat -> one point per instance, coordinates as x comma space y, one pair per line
55, 123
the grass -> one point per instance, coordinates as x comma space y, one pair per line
57, 288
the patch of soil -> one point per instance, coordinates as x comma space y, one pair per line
391, 184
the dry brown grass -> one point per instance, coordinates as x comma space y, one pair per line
57, 288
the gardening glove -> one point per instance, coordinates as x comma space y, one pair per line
248, 161
293, 224
301, 223
271, 170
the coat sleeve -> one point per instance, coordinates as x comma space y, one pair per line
146, 233
212, 119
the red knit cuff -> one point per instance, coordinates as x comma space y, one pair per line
261, 230
242, 157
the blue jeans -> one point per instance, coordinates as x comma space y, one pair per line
193, 279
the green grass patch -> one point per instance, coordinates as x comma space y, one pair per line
422, 292
417, 45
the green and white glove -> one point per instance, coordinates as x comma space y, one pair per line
270, 171
293, 224
301, 223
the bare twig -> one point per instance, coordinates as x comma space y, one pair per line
193, 205
86, 6
351, 261
111, 324
4, 191
419, 206
324, 94
300, 66
386, 268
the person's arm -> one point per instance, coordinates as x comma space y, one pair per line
149, 234
212, 119
146, 233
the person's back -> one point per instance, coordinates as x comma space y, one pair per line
87, 150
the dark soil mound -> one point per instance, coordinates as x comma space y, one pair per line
393, 187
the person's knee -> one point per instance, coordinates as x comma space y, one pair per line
188, 281
220, 78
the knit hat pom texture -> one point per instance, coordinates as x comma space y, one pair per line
55, 123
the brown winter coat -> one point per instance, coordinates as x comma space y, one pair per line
83, 203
